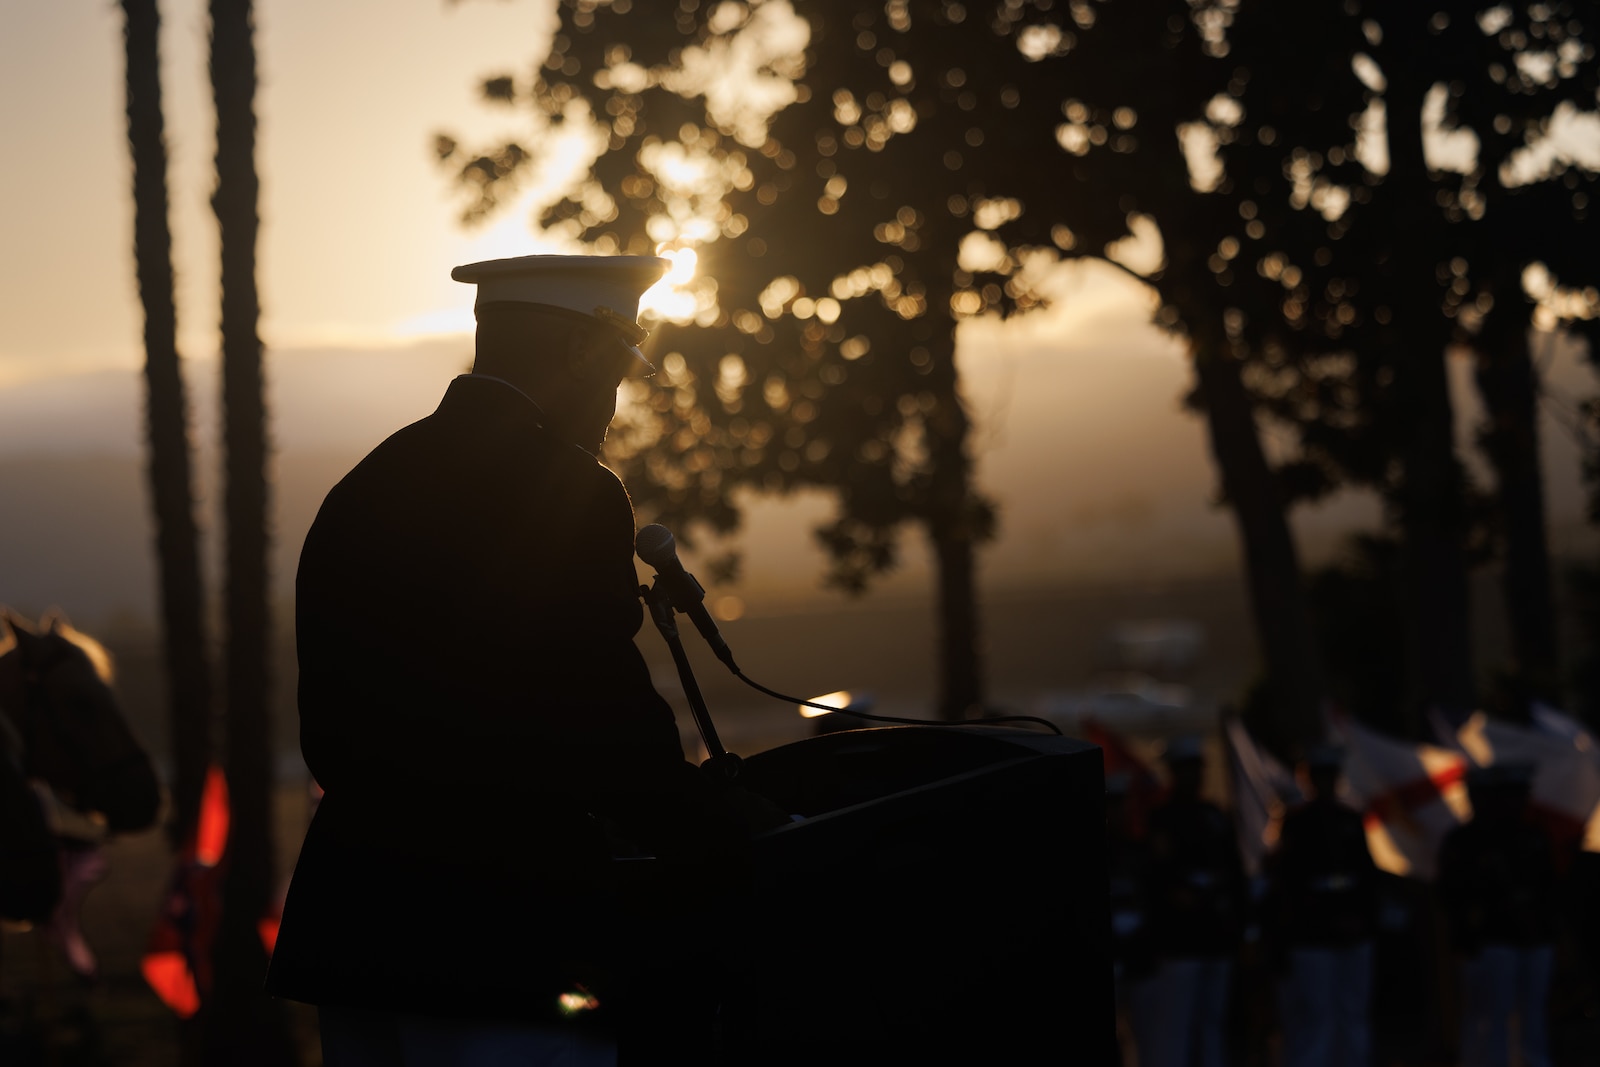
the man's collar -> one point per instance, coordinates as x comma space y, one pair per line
539, 416
491, 378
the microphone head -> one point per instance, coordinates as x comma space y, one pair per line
656, 546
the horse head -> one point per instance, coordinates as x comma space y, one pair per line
55, 693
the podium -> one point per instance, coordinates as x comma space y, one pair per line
944, 900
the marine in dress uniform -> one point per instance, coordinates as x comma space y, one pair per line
1322, 909
472, 701
1197, 899
1497, 882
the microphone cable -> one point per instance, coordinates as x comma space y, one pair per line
897, 720
655, 545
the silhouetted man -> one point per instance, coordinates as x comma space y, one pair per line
474, 705
1324, 899
1197, 897
1497, 882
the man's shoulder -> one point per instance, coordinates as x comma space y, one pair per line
1321, 819
479, 425
480, 457
395, 456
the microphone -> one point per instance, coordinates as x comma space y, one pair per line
658, 548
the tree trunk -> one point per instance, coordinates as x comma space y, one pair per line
1432, 507
167, 426
956, 522
1509, 386
1433, 518
1291, 660
246, 1027
961, 688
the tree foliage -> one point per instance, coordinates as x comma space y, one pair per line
1435, 206
1310, 233
810, 357
936, 154
821, 347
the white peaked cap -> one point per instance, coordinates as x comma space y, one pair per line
603, 287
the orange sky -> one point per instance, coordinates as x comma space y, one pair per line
358, 232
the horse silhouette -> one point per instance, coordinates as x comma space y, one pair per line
30, 873
60, 724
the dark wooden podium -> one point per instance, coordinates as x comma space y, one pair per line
945, 900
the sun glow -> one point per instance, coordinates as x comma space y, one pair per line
841, 699
673, 297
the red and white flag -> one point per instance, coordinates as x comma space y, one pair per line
1565, 793
1412, 795
1144, 790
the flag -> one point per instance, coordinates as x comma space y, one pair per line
1144, 787
1263, 788
1558, 724
1565, 793
1412, 795
177, 960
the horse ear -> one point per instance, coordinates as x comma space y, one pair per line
17, 624
52, 621
23, 635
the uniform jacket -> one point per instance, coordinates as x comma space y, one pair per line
1325, 885
1197, 892
472, 701
1498, 884
1128, 864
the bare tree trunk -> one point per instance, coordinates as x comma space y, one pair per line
1509, 385
1432, 505
167, 425
246, 1027
961, 688
1433, 518
1289, 653
956, 524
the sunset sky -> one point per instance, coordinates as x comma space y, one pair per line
360, 230
358, 224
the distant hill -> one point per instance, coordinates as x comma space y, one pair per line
1104, 483
72, 482
76, 528
1100, 475
78, 532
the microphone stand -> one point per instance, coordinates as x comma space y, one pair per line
720, 762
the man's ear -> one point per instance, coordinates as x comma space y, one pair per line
580, 354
